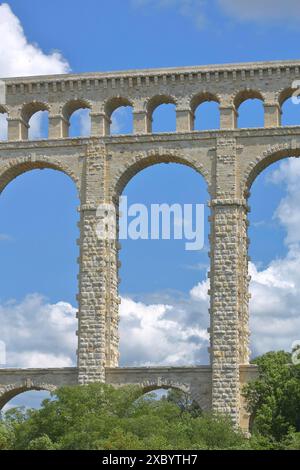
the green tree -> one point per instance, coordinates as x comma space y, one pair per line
98, 416
274, 398
183, 401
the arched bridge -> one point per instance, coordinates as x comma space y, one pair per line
229, 159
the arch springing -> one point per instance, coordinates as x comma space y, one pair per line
119, 115
76, 115
166, 122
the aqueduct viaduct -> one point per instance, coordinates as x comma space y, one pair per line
101, 165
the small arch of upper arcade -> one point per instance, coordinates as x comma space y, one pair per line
66, 113
200, 99
110, 106
229, 86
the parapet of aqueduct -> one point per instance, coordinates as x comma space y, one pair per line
101, 165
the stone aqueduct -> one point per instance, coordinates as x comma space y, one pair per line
101, 165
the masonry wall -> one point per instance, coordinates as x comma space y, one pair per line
229, 159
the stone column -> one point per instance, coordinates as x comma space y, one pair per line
229, 283
272, 114
17, 128
58, 126
98, 300
228, 117
184, 120
141, 123
100, 124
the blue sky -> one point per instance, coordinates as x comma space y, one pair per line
164, 287
123, 34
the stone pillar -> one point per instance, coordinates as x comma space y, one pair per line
98, 300
100, 124
141, 123
91, 300
229, 282
227, 303
272, 114
58, 126
113, 302
184, 120
244, 295
228, 117
17, 128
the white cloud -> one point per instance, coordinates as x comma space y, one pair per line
275, 290
37, 333
173, 333
18, 57
274, 306
257, 10
275, 302
288, 213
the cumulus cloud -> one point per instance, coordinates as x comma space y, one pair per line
288, 213
18, 57
37, 333
275, 290
40, 334
173, 333
274, 306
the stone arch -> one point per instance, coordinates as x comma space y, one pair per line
69, 108
284, 95
286, 118
3, 109
203, 97
154, 102
8, 392
196, 395
269, 156
73, 105
16, 167
152, 157
29, 109
164, 383
246, 94
157, 100
114, 103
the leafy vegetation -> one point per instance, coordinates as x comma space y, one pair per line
274, 401
98, 416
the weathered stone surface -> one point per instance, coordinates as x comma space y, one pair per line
229, 159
